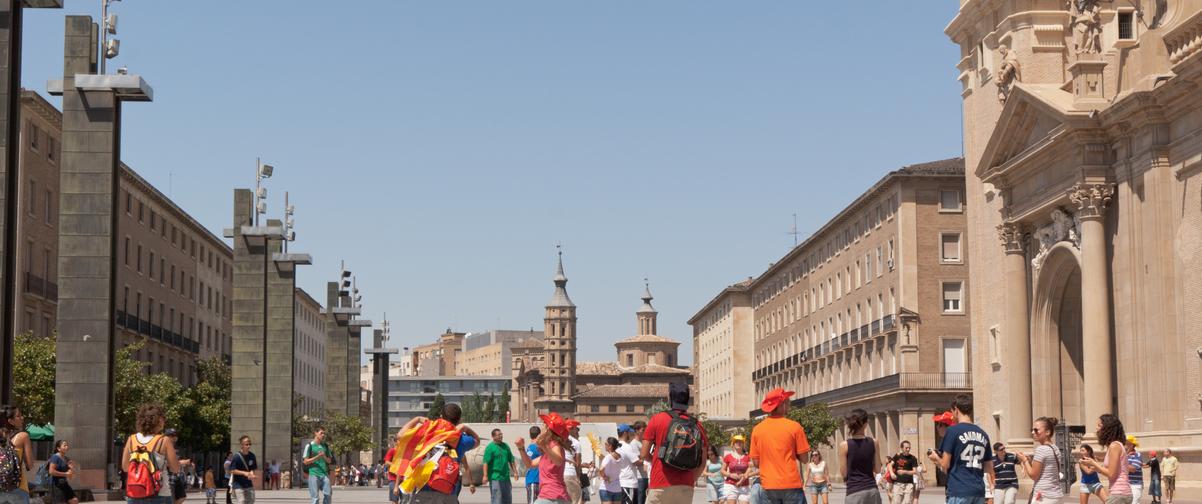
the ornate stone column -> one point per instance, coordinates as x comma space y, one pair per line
1017, 331
1091, 200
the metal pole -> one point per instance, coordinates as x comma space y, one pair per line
258, 180
104, 33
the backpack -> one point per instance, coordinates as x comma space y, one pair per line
41, 478
10, 467
446, 474
144, 479
683, 447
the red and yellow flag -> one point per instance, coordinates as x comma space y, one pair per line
412, 447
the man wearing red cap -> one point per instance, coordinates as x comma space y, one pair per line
673, 484
778, 447
571, 465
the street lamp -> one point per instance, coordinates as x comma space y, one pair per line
262, 171
289, 222
110, 47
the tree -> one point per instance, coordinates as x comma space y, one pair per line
33, 377
659, 406
503, 405
816, 419
133, 387
714, 432
347, 434
208, 408
489, 411
473, 408
436, 407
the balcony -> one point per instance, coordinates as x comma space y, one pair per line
41, 287
864, 332
909, 382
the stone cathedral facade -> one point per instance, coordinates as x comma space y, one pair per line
1083, 153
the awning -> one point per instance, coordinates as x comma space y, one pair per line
40, 432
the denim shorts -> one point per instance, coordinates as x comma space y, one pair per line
607, 496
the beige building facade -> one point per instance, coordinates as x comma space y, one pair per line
869, 312
309, 368
723, 351
490, 353
1083, 155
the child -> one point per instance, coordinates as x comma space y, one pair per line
210, 487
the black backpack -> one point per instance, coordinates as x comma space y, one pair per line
684, 446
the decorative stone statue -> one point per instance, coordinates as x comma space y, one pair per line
1064, 227
1009, 73
1086, 25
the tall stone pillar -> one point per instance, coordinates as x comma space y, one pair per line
1091, 201
354, 348
248, 370
336, 348
1017, 331
280, 350
83, 404
379, 390
10, 135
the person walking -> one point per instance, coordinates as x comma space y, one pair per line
210, 487
551, 443
61, 468
735, 466
149, 444
12, 427
572, 462
1168, 471
1090, 485
713, 476
1005, 482
316, 460
920, 482
530, 458
1136, 464
179, 488
818, 483
859, 461
1044, 466
1114, 464
499, 469
965, 455
612, 465
242, 471
644, 467
1154, 477
632, 463
778, 448
903, 466
669, 483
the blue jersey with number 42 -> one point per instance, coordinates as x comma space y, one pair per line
970, 450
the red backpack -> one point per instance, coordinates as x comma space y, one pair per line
445, 476
143, 479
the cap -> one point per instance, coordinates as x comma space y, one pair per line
555, 423
170, 432
1152, 454
1133, 440
775, 398
738, 438
945, 418
623, 428
572, 423
678, 395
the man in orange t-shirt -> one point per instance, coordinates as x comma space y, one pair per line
778, 447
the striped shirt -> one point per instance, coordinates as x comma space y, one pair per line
1137, 468
1003, 469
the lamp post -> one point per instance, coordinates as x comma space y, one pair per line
289, 222
262, 171
109, 48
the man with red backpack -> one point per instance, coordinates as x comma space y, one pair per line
676, 445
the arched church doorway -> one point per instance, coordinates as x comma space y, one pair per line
1057, 367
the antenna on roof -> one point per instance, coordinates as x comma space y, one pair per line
793, 231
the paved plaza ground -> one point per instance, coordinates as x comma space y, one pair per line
363, 495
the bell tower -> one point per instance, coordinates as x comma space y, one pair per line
559, 348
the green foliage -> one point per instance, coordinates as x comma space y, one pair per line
816, 419
658, 407
473, 408
207, 408
33, 377
715, 433
503, 405
133, 387
436, 407
347, 434
489, 411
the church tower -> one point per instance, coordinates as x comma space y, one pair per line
559, 337
646, 314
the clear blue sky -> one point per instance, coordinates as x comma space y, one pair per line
443, 147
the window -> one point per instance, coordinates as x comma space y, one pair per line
139, 258
33, 198
128, 204
141, 212
1127, 25
34, 133
154, 220
949, 247
49, 205
889, 257
52, 145
953, 293
127, 251
949, 200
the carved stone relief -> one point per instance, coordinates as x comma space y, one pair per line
1064, 227
1086, 25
